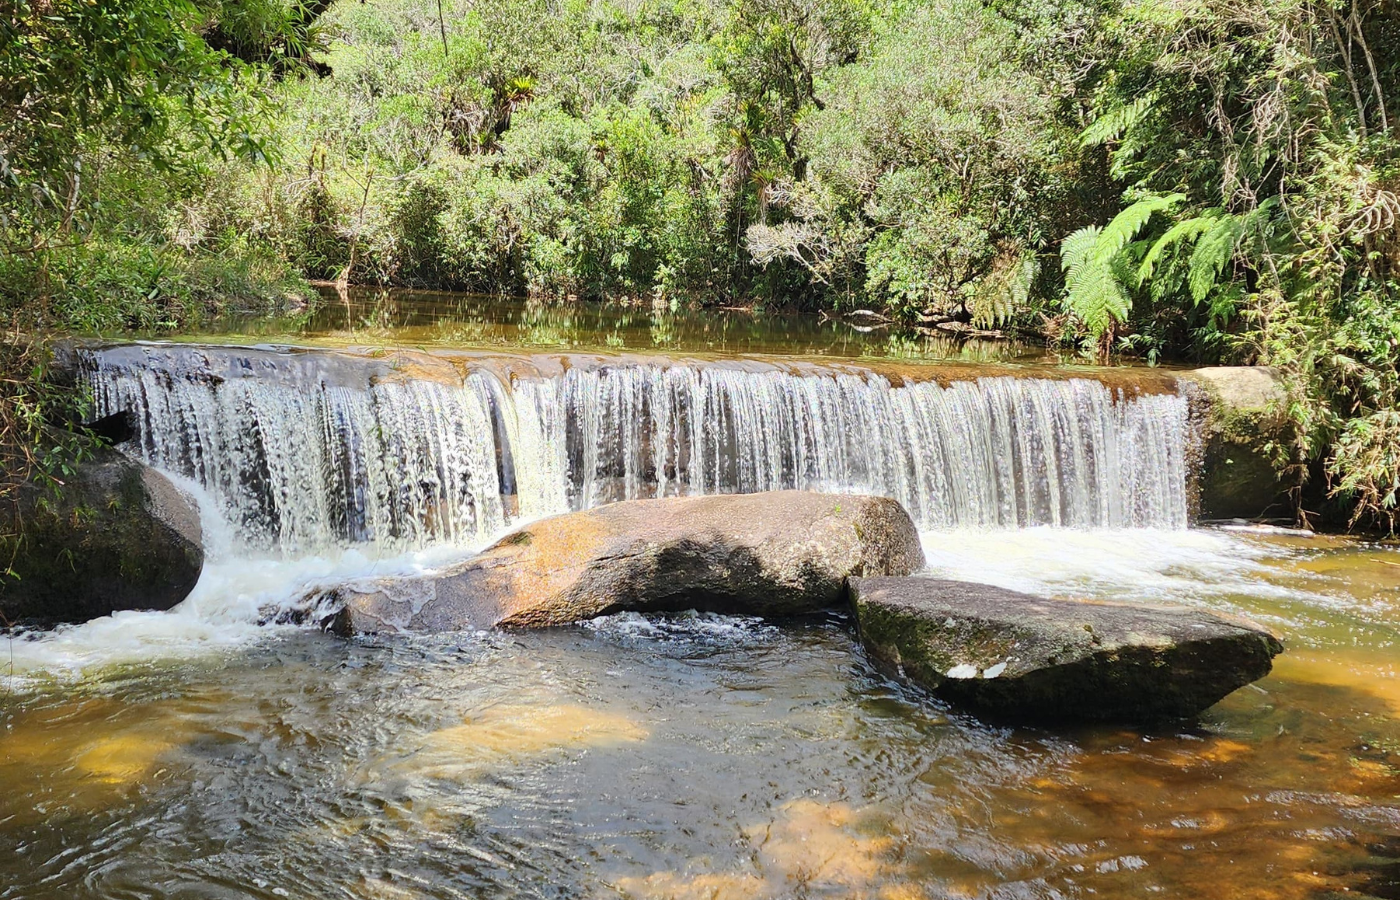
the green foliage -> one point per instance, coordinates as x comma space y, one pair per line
77, 75
931, 180
1097, 265
1221, 179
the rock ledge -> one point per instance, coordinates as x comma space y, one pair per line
1030, 659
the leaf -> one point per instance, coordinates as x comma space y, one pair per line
1095, 265
1130, 221
1183, 232
1098, 299
1077, 249
1115, 122
1213, 250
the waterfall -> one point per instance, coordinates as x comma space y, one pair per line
302, 456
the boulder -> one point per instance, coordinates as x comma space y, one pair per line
770, 554
1021, 658
1242, 411
119, 536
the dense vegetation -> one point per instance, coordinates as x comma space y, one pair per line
1207, 180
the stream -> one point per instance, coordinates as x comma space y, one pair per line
211, 752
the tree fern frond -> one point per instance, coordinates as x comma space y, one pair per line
1024, 279
1005, 291
1183, 232
1096, 266
1113, 123
1097, 298
1213, 250
1130, 221
1077, 249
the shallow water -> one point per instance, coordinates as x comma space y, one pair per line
703, 756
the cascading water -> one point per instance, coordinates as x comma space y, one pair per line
299, 459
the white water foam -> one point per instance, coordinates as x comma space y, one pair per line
231, 607
1253, 575
299, 464
1203, 567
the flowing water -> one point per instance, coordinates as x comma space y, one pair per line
301, 459
200, 754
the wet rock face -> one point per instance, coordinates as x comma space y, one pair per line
1244, 412
1021, 658
121, 536
770, 554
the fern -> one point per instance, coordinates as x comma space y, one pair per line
1077, 249
1023, 280
1116, 122
1213, 250
1129, 222
1098, 299
1005, 291
1096, 275
1183, 232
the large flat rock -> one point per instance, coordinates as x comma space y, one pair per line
1018, 657
771, 554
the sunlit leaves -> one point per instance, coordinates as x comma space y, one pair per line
1096, 266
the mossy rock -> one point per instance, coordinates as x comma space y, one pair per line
1021, 658
1241, 410
120, 536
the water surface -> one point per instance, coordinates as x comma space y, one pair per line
705, 756
407, 318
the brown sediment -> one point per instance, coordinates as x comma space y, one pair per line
371, 364
505, 734
89, 752
809, 846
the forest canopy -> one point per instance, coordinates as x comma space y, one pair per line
1213, 181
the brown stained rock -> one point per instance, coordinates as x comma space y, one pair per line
1242, 411
1030, 659
771, 554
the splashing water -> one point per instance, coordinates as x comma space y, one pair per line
239, 600
300, 462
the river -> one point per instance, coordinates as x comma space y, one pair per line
210, 752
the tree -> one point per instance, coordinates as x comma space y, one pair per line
135, 74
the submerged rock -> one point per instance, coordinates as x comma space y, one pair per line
120, 536
770, 554
1031, 659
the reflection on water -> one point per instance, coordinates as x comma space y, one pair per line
381, 317
710, 757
